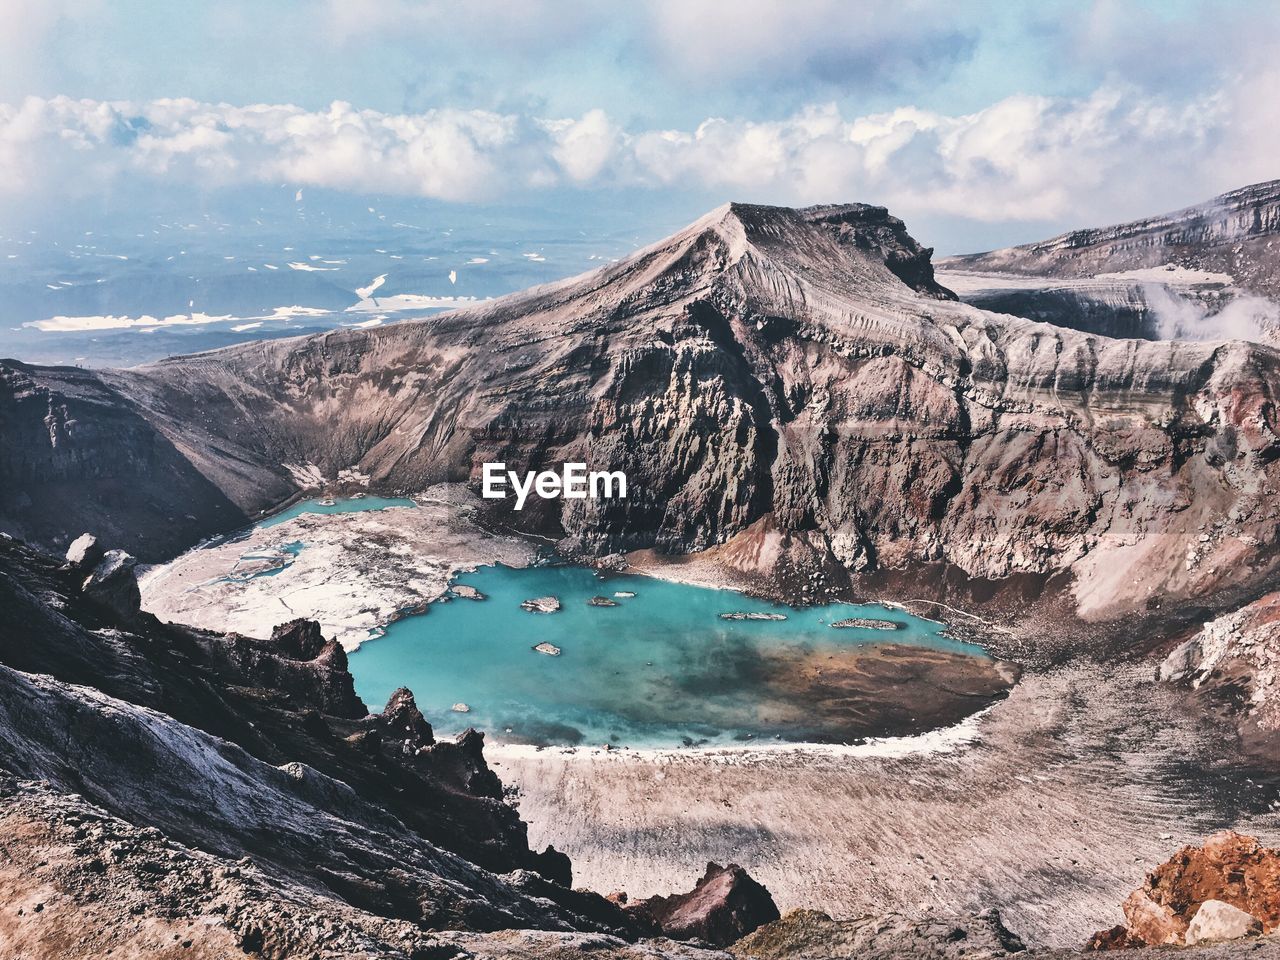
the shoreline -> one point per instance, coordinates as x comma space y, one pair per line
1053, 812
948, 739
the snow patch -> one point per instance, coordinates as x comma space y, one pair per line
61, 324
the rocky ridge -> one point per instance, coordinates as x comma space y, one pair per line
790, 390
1204, 273
1236, 233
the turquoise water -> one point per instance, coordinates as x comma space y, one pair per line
345, 505
659, 669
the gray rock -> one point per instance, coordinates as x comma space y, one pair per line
1216, 920
84, 551
113, 584
1182, 662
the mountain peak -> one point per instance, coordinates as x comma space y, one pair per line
824, 237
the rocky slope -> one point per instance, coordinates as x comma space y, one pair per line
1237, 234
789, 387
247, 747
171, 793
1205, 273
1235, 660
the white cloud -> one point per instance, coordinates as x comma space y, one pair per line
1021, 158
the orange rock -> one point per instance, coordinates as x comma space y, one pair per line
1229, 868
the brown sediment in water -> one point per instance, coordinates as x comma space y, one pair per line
839, 695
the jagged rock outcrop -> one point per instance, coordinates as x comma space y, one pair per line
810, 935
789, 388
112, 583
297, 662
85, 551
722, 908
240, 747
1226, 889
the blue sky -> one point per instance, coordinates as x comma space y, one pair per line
978, 122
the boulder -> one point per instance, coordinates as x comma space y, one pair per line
1216, 920
113, 584
85, 551
724, 906
1232, 880
1150, 923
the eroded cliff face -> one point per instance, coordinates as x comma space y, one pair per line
789, 389
78, 454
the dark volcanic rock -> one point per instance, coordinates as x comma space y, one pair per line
724, 906
402, 721
85, 551
234, 746
298, 639
113, 584
80, 455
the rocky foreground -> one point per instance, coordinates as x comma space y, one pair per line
170, 792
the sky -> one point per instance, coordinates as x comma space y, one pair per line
979, 123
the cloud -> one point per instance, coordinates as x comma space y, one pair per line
1024, 158
831, 41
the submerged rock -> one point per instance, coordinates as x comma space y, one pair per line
601, 602
550, 649
868, 623
724, 906
753, 616
541, 605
